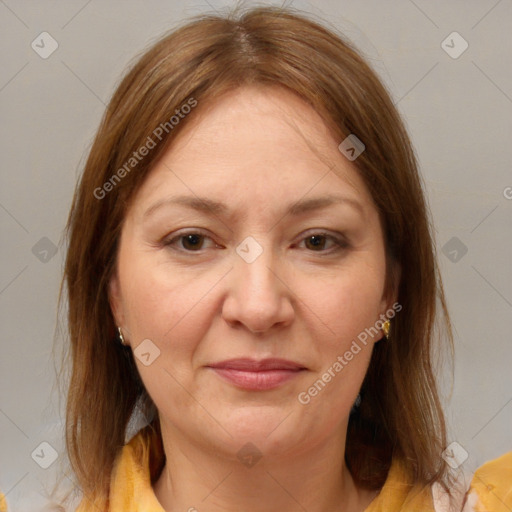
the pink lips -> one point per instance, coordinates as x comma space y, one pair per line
257, 375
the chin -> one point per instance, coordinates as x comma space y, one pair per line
272, 431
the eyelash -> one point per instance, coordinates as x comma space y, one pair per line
340, 243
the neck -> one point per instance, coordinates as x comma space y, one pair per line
198, 479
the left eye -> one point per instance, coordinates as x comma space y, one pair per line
319, 240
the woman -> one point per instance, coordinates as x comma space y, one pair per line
251, 267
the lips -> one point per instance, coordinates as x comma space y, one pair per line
253, 365
257, 375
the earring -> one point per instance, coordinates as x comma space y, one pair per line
385, 328
121, 338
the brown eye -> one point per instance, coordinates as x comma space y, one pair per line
317, 243
192, 241
187, 242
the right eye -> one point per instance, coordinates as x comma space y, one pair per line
191, 241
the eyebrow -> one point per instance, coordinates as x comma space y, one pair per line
206, 205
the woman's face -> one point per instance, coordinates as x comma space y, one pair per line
241, 246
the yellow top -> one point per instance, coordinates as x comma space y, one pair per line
490, 489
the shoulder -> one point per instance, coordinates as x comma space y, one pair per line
3, 503
490, 490
130, 482
399, 493
491, 487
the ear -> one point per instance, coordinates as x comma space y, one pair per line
114, 299
390, 296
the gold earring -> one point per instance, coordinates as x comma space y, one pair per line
385, 328
121, 338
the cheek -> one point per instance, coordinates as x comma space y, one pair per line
343, 310
348, 303
172, 310
161, 301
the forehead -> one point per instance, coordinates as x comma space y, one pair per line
253, 122
257, 143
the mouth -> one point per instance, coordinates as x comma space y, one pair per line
257, 375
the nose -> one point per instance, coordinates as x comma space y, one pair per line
259, 297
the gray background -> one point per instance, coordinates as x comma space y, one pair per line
459, 115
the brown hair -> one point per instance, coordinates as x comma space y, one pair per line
400, 415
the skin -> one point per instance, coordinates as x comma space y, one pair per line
257, 150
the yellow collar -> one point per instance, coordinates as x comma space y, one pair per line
131, 486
